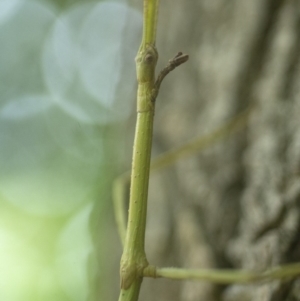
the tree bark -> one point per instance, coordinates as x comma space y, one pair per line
236, 204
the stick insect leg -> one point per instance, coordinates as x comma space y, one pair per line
119, 196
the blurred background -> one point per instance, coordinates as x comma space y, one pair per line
67, 115
67, 86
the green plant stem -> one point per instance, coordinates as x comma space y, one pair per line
226, 276
150, 21
134, 260
170, 157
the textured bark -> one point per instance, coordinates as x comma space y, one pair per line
236, 204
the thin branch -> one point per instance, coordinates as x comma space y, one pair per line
196, 145
226, 276
179, 59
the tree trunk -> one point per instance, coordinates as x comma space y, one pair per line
235, 204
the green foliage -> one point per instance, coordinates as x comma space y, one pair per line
59, 107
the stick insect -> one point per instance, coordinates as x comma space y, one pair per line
134, 264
